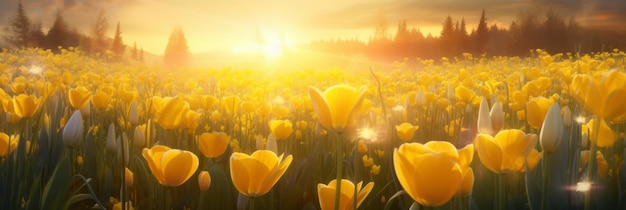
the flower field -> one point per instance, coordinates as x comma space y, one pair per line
541, 132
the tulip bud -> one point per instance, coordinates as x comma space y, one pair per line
420, 98
552, 129
204, 180
73, 130
123, 140
361, 147
111, 141
129, 178
133, 116
567, 116
271, 144
139, 137
497, 117
484, 119
259, 142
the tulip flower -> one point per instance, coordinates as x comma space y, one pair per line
603, 165
605, 137
7, 144
25, 105
361, 147
129, 177
431, 173
326, 194
467, 184
537, 109
406, 131
170, 167
171, 113
497, 117
204, 181
111, 139
79, 97
254, 175
338, 107
552, 129
604, 97
484, 118
281, 129
503, 153
101, 99
73, 130
213, 144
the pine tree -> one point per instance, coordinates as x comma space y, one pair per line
117, 47
99, 42
57, 35
134, 52
177, 53
19, 30
482, 34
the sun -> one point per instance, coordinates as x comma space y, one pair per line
270, 47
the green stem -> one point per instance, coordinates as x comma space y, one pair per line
546, 180
592, 160
338, 155
501, 192
251, 203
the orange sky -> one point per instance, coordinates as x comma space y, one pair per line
212, 25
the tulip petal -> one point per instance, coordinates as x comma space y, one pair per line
178, 166
362, 194
321, 108
439, 182
489, 152
444, 148
466, 155
153, 158
615, 103
326, 194
342, 100
276, 174
239, 173
405, 169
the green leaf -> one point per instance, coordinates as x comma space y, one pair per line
77, 198
34, 199
56, 188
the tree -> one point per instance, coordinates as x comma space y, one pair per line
19, 31
482, 34
177, 53
117, 47
99, 42
58, 35
141, 55
134, 54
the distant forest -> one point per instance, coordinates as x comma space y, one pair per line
534, 29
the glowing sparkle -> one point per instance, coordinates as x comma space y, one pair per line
398, 108
368, 134
35, 69
583, 186
278, 100
581, 119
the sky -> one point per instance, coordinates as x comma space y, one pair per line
214, 25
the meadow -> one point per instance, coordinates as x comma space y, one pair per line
472, 132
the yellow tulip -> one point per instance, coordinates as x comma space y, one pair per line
79, 97
537, 109
431, 173
172, 112
231, 103
467, 184
406, 131
101, 99
603, 165
464, 94
604, 97
7, 144
338, 107
191, 121
500, 153
281, 129
170, 167
213, 144
254, 175
129, 177
204, 181
25, 105
605, 138
361, 147
326, 194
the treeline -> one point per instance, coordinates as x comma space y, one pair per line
534, 29
25, 33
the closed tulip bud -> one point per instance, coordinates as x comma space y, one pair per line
123, 140
204, 180
133, 115
484, 118
497, 117
567, 116
139, 137
260, 142
111, 139
349, 190
271, 144
552, 129
79, 97
73, 130
420, 98
86, 110
129, 177
281, 129
213, 144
